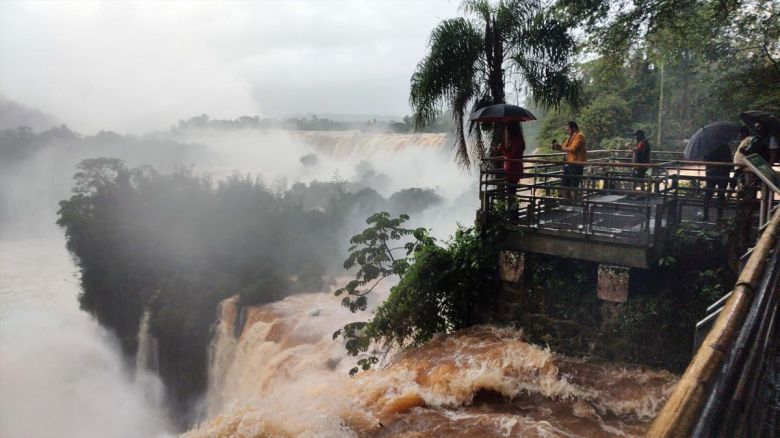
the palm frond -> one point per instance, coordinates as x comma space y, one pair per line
475, 129
542, 50
447, 76
512, 14
481, 8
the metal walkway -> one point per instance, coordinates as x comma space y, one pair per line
612, 217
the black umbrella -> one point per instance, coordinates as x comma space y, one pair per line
768, 119
502, 112
709, 138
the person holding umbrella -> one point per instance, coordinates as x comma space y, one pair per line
513, 145
512, 148
716, 178
711, 143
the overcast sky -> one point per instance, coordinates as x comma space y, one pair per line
141, 66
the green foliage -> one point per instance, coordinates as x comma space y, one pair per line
556, 283
372, 251
270, 286
468, 58
654, 326
439, 287
606, 116
716, 58
660, 318
617, 143
552, 129
666, 261
177, 244
438, 291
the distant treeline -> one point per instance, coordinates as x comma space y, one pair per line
176, 244
312, 123
681, 64
18, 144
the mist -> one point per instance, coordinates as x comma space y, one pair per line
95, 80
61, 374
134, 67
38, 173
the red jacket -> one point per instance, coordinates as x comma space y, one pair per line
513, 151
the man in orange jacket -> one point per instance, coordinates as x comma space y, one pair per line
576, 152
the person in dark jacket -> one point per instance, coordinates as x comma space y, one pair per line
763, 144
641, 155
717, 178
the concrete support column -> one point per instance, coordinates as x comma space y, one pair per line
613, 283
511, 266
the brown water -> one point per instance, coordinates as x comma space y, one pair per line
285, 376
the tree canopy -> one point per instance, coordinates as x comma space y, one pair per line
176, 244
470, 59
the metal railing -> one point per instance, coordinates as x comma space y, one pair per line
720, 394
611, 200
723, 391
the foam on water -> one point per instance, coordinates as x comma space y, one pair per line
289, 378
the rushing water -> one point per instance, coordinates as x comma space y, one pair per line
61, 374
281, 374
275, 370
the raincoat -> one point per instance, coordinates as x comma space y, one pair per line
513, 151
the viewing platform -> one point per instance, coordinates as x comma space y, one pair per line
613, 216
625, 222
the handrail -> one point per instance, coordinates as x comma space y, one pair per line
681, 410
615, 164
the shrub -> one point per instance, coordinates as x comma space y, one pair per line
438, 289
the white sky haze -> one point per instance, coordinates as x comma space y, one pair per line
141, 66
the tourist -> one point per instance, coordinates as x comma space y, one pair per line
512, 148
576, 152
763, 144
641, 155
744, 141
717, 178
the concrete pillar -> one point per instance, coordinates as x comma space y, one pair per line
613, 283
511, 265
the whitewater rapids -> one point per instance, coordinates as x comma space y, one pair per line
275, 371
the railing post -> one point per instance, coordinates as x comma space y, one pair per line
762, 214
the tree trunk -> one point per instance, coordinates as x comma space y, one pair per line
495, 47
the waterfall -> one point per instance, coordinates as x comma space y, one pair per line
343, 144
283, 375
222, 350
147, 357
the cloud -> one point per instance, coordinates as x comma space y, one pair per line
137, 66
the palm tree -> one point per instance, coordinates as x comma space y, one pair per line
471, 57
